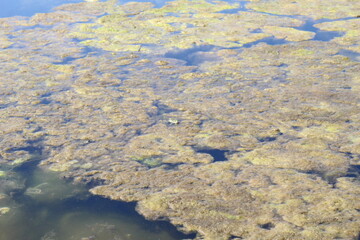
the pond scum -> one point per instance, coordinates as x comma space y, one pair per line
231, 124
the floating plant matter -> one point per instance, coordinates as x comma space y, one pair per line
230, 125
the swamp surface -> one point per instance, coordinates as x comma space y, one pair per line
228, 119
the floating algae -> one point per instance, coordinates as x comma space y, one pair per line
187, 111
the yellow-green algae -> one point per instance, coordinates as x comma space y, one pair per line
288, 115
197, 23
289, 34
4, 210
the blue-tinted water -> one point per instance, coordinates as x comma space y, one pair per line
29, 7
156, 3
36, 204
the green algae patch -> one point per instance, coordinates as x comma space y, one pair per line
156, 203
153, 161
63, 68
303, 53
4, 210
289, 34
317, 158
63, 167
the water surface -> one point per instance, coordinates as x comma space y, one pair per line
28, 8
37, 204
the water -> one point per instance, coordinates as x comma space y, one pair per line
156, 3
38, 204
29, 7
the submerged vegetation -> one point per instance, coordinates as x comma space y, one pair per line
138, 101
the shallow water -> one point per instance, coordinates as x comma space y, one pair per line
37, 204
29, 7
232, 120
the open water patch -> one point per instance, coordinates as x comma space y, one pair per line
30, 7
218, 154
320, 35
355, 56
326, 35
236, 10
267, 40
353, 171
163, 109
192, 56
37, 204
157, 3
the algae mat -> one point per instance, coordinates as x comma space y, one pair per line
229, 120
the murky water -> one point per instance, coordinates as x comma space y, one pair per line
229, 119
37, 204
